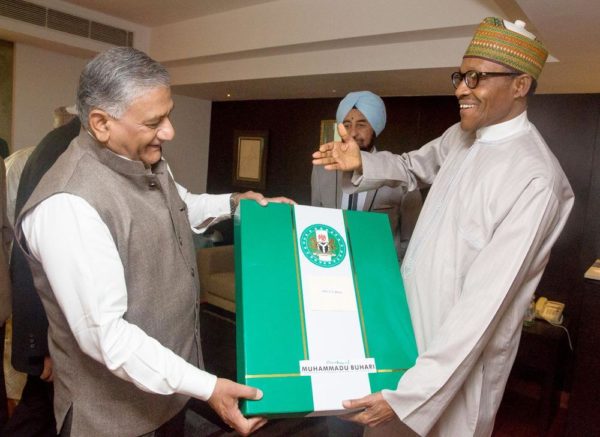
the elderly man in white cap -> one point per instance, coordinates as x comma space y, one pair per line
498, 201
364, 117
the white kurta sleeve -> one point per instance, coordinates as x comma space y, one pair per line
83, 267
516, 255
415, 169
205, 210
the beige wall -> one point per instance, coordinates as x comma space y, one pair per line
43, 80
47, 67
6, 74
47, 79
187, 154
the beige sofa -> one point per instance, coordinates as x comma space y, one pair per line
216, 271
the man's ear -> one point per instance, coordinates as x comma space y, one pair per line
99, 122
522, 85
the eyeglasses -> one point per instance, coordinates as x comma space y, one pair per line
472, 77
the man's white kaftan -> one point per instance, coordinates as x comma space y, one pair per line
497, 203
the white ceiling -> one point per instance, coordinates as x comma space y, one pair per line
157, 12
569, 28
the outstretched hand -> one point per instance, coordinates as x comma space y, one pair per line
375, 411
337, 155
224, 401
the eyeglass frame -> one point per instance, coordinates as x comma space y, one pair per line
478, 76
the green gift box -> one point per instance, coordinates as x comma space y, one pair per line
321, 310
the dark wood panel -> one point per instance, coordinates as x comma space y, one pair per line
584, 404
294, 128
591, 245
436, 114
568, 124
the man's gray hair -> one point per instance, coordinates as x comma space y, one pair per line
114, 79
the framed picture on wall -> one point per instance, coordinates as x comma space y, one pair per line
250, 158
328, 132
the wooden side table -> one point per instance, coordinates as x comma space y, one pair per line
543, 350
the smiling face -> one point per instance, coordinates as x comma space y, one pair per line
494, 100
359, 128
139, 133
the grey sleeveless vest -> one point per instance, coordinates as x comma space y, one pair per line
149, 225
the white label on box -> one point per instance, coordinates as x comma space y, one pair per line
333, 326
311, 368
331, 293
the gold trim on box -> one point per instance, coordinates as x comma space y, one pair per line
391, 370
300, 308
299, 284
363, 328
360, 314
274, 375
294, 375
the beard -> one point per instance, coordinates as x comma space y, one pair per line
367, 147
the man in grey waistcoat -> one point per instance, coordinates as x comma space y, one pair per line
107, 234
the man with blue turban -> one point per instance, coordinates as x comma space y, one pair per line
363, 115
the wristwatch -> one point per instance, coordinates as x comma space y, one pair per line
234, 200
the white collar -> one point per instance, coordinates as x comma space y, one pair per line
505, 129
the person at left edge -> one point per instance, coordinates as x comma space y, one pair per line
107, 234
34, 413
5, 288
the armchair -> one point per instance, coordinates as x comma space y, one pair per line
216, 272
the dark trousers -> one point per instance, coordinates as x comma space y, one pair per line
173, 428
34, 415
3, 399
337, 427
